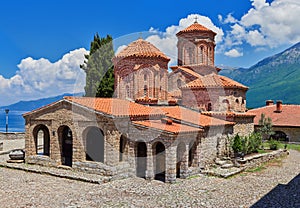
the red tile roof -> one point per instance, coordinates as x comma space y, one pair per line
141, 48
173, 128
193, 117
195, 27
214, 80
289, 116
115, 107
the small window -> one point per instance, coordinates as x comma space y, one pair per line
145, 77
237, 101
209, 108
179, 83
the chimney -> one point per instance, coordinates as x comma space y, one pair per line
269, 102
278, 106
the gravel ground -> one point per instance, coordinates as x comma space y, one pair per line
275, 186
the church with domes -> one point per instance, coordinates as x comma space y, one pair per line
161, 123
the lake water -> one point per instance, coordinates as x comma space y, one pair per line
16, 122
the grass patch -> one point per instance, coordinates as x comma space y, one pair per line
261, 151
282, 145
256, 169
193, 176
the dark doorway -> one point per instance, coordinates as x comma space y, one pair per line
160, 162
95, 144
180, 158
67, 146
123, 142
141, 159
192, 149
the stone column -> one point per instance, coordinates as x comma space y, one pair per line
198, 154
171, 164
150, 170
184, 167
131, 157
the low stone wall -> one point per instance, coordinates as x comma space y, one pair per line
40, 160
256, 160
122, 170
12, 135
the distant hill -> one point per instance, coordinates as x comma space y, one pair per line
276, 77
34, 104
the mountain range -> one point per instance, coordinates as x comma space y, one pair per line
274, 78
34, 104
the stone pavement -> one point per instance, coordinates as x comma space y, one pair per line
25, 189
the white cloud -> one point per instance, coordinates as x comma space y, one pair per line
230, 19
267, 24
41, 78
233, 53
166, 40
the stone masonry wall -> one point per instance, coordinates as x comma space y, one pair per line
12, 135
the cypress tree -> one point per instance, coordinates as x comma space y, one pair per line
99, 68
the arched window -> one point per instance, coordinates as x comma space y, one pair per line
145, 90
237, 101
145, 77
226, 104
201, 51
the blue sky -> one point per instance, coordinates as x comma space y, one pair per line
43, 40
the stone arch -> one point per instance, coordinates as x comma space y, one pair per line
66, 145
226, 104
159, 153
41, 137
94, 144
280, 136
180, 158
141, 159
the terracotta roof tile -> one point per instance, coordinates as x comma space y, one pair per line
115, 107
214, 80
141, 48
173, 128
289, 116
195, 27
193, 117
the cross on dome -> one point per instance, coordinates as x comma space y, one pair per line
196, 18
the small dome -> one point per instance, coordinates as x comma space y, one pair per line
141, 48
195, 27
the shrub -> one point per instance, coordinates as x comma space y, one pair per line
273, 144
246, 144
236, 144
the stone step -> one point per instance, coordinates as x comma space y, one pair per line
227, 165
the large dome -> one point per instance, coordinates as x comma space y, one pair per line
141, 48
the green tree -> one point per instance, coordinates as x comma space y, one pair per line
99, 68
265, 126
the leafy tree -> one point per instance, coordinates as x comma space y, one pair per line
266, 125
99, 68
